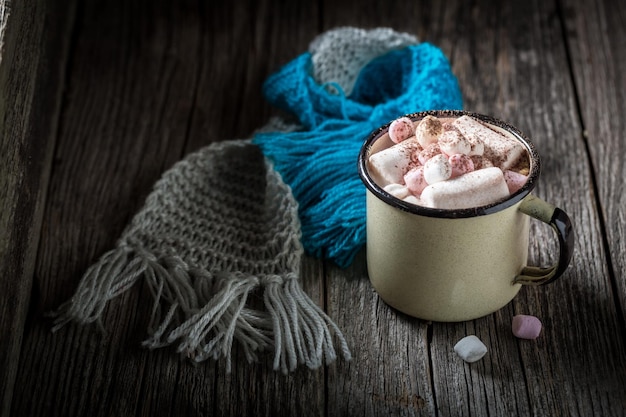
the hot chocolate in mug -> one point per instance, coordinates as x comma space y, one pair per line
456, 264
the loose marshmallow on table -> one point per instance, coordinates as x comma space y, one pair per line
392, 163
474, 189
526, 327
470, 349
401, 129
503, 151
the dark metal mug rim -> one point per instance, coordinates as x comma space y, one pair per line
379, 192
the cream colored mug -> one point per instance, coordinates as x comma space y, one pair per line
456, 265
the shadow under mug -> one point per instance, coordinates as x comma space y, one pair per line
456, 265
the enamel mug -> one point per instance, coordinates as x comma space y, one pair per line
456, 265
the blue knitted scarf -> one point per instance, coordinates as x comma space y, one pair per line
319, 162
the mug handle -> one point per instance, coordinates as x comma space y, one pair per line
560, 222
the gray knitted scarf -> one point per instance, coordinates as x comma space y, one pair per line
218, 245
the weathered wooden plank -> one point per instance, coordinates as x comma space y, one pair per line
478, 40
170, 79
34, 42
507, 58
390, 370
390, 373
404, 366
152, 81
596, 37
268, 34
129, 102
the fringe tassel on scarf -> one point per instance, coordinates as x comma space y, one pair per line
201, 278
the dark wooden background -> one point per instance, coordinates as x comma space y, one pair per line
98, 98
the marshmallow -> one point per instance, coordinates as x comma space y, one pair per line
412, 199
428, 130
397, 190
461, 164
502, 150
428, 152
474, 189
390, 165
415, 180
452, 142
514, 180
477, 146
470, 349
526, 327
437, 169
480, 162
401, 129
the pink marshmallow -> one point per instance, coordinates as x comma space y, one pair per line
401, 129
428, 152
461, 164
526, 327
514, 180
415, 181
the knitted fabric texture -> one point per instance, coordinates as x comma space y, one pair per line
218, 242
348, 84
219, 228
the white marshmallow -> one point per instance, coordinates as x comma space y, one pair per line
474, 189
397, 190
502, 150
428, 130
389, 165
412, 199
437, 169
477, 146
401, 129
452, 142
470, 349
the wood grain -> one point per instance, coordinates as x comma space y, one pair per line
35, 44
151, 101
390, 373
520, 45
99, 100
503, 57
125, 119
599, 70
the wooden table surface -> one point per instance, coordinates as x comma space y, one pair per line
98, 98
